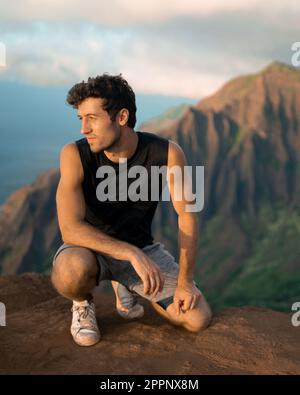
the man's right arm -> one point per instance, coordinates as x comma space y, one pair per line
71, 211
75, 230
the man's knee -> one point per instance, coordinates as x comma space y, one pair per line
73, 268
199, 322
195, 320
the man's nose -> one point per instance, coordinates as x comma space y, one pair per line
85, 127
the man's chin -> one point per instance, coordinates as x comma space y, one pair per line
95, 147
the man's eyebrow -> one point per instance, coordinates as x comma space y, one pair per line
94, 115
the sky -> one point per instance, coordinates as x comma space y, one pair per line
164, 47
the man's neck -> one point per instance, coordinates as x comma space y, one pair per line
125, 148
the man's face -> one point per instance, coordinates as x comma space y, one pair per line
96, 125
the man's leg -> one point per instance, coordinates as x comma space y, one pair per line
75, 274
193, 320
126, 304
118, 301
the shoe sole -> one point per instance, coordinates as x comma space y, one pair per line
87, 342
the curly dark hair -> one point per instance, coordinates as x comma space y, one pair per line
115, 91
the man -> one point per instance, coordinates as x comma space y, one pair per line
112, 239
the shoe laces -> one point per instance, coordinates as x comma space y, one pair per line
86, 314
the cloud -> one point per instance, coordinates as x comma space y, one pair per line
186, 50
127, 12
59, 56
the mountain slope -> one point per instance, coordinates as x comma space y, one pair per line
247, 136
165, 120
29, 232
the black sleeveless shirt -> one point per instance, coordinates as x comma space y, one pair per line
126, 220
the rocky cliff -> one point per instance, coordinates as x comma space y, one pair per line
29, 231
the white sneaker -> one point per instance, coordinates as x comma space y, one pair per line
84, 328
129, 308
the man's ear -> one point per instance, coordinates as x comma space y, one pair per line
123, 116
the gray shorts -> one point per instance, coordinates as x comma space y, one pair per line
124, 273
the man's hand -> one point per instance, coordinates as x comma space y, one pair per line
148, 272
186, 297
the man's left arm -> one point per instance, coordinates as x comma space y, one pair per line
187, 295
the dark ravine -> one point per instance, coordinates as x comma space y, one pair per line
247, 136
36, 339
